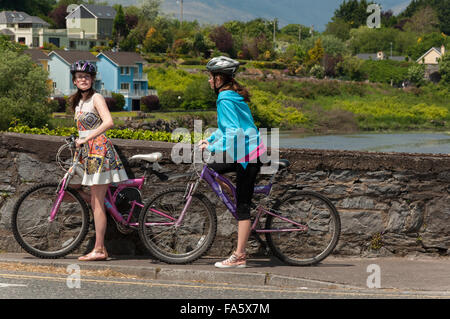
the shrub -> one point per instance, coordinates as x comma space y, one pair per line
198, 95
351, 68
270, 110
150, 103
61, 101
120, 101
111, 103
385, 71
317, 71
269, 65
444, 68
416, 74
170, 99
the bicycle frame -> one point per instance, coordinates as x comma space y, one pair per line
110, 198
210, 176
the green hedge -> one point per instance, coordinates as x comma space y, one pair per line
386, 70
113, 133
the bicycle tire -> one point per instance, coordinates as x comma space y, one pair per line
56, 239
304, 248
191, 239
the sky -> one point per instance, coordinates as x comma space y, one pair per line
306, 12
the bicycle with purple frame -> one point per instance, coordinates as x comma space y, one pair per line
178, 225
51, 220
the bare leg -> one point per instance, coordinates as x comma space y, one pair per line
98, 193
85, 196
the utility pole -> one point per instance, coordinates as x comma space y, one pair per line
181, 11
274, 30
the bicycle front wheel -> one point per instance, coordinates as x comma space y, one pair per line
33, 230
307, 231
182, 244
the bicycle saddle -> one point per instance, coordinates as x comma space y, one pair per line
282, 163
152, 157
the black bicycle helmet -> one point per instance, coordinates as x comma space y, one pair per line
83, 66
223, 64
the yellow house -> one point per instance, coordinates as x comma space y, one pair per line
432, 56
41, 59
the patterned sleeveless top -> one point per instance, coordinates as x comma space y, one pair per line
102, 164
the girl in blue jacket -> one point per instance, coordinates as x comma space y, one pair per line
237, 139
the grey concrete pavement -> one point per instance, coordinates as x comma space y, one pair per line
405, 274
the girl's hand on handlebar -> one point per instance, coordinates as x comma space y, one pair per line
79, 142
203, 144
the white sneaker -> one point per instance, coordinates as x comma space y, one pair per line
232, 262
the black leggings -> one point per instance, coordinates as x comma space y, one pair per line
245, 183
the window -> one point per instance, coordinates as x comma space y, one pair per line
124, 70
54, 85
124, 86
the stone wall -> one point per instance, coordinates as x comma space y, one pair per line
389, 203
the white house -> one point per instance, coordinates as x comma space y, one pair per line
432, 56
29, 30
87, 26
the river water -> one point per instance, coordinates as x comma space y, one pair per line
435, 143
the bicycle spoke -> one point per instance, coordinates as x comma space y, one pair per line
38, 235
182, 243
321, 223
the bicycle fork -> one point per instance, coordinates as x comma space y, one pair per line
61, 189
190, 190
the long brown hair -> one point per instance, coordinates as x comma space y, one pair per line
75, 98
232, 84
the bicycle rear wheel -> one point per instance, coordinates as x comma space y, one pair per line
320, 224
35, 233
183, 244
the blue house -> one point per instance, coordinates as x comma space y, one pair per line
59, 70
122, 72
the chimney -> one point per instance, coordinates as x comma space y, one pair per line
442, 49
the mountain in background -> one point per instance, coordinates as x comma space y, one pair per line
306, 12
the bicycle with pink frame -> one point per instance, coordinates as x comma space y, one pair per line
179, 224
51, 220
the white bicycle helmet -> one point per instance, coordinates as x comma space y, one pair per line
223, 64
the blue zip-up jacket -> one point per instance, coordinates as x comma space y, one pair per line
237, 134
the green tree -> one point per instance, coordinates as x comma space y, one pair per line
315, 54
444, 68
23, 90
353, 12
339, 28
416, 74
154, 41
120, 28
423, 21
149, 9
367, 40
351, 68
31, 7
442, 8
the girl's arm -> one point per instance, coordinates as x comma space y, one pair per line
105, 115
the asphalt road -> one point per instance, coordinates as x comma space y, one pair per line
34, 285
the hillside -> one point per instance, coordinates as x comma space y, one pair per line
317, 13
